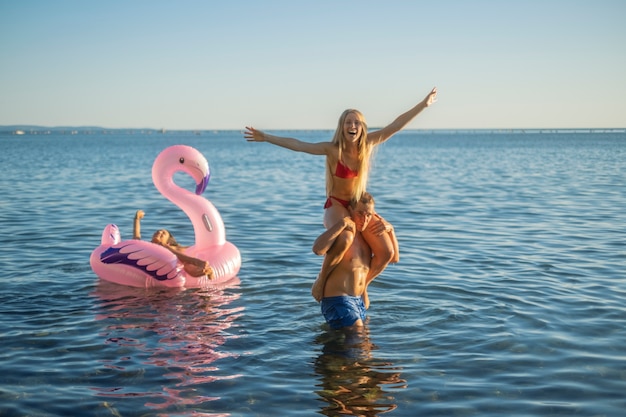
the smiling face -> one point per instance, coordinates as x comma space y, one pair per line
352, 127
161, 237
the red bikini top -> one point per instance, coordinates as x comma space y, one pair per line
343, 171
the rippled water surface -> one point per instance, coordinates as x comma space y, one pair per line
509, 298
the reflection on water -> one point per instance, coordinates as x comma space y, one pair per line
352, 378
167, 369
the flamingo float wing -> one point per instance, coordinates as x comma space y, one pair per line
144, 256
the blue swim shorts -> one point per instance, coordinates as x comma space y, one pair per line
343, 310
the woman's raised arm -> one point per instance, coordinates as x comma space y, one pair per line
320, 148
137, 225
401, 121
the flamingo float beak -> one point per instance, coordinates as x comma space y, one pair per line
201, 186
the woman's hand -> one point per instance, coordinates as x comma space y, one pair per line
378, 226
198, 268
139, 215
208, 271
431, 97
253, 135
204, 267
349, 225
388, 226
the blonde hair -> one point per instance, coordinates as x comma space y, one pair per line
364, 150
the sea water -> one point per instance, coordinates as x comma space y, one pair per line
509, 297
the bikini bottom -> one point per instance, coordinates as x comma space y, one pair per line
329, 202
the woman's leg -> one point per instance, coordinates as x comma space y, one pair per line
333, 214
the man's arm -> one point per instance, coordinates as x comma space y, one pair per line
394, 242
375, 233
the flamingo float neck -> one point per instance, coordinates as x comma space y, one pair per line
207, 222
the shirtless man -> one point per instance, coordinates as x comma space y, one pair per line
342, 288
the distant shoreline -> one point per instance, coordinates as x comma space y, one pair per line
93, 130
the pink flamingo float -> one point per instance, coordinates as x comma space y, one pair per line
138, 263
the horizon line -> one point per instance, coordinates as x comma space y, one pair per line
18, 130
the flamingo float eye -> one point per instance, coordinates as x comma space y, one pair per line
181, 160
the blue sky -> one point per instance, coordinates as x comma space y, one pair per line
298, 64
